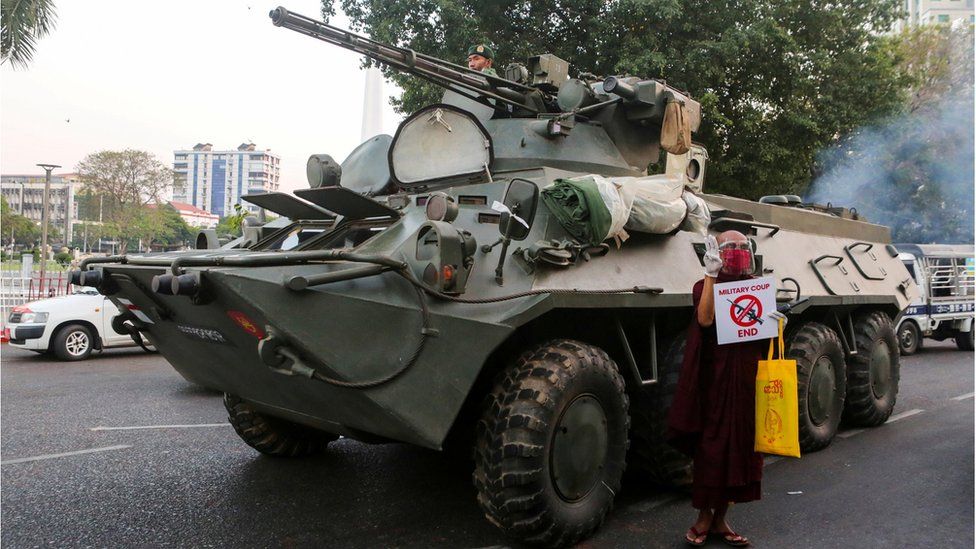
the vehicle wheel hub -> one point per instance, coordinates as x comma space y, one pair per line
77, 343
880, 370
579, 448
907, 338
822, 390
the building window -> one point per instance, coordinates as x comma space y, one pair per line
943, 18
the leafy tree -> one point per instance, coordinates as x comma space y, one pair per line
231, 224
16, 226
22, 24
127, 182
777, 81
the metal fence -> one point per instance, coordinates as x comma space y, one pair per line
17, 289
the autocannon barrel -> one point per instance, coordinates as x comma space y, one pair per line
438, 71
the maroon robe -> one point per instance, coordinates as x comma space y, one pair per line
712, 418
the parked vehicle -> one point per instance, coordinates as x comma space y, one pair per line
69, 326
945, 309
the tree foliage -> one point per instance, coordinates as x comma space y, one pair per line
231, 224
125, 183
16, 226
22, 24
777, 81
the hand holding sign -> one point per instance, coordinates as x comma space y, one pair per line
739, 310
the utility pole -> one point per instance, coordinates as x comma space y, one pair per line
44, 220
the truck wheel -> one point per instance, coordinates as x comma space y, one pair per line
872, 374
909, 338
551, 444
73, 342
821, 383
273, 436
964, 340
652, 457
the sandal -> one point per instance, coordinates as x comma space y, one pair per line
695, 538
733, 539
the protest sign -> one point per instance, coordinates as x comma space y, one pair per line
742, 310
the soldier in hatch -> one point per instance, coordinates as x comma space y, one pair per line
480, 58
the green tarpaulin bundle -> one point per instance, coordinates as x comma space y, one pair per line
588, 207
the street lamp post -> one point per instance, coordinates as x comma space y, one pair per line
44, 221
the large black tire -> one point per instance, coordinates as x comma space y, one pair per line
964, 340
909, 338
73, 342
560, 410
650, 456
273, 436
821, 383
872, 373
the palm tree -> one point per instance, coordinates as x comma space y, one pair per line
24, 22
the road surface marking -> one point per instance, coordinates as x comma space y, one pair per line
135, 427
903, 415
66, 454
963, 397
852, 432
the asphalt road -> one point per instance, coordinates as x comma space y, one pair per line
908, 483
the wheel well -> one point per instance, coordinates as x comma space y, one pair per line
838, 318
909, 321
96, 340
597, 327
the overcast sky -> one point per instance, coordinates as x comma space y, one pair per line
161, 76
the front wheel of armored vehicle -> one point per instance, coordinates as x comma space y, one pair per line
551, 444
872, 373
273, 436
964, 340
821, 383
650, 456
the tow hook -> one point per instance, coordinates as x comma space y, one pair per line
281, 358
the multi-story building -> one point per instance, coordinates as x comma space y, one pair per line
936, 12
215, 180
25, 195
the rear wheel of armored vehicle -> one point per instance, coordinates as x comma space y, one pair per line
551, 444
909, 338
650, 456
821, 383
872, 373
73, 342
964, 340
273, 436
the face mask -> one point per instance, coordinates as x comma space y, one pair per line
736, 261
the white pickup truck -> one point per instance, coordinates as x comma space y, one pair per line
945, 308
70, 326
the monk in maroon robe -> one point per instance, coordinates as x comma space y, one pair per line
712, 417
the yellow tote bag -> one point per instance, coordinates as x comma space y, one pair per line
777, 413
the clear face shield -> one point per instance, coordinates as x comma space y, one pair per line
737, 258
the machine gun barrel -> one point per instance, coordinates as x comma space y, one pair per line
438, 71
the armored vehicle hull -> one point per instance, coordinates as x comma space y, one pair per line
452, 307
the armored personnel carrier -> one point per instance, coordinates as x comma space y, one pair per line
421, 291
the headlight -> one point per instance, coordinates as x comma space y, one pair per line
35, 318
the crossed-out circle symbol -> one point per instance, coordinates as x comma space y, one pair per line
741, 307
